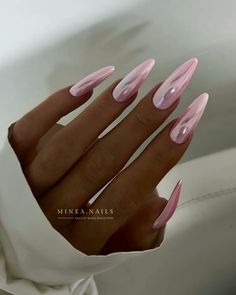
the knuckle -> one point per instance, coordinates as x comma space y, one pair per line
94, 165
23, 129
172, 155
99, 162
49, 159
165, 159
19, 129
144, 121
125, 205
45, 164
158, 157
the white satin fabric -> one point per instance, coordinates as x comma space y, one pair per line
200, 239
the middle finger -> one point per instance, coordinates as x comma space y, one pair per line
67, 146
108, 156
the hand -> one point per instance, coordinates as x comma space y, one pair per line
66, 166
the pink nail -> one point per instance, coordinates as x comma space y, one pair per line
133, 81
169, 209
185, 125
91, 81
174, 85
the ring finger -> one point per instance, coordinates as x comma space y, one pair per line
108, 156
141, 177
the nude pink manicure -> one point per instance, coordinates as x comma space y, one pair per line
169, 209
185, 125
91, 81
174, 85
133, 81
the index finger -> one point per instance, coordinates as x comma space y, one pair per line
33, 125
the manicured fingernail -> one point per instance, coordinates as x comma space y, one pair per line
89, 82
133, 81
169, 209
188, 121
174, 85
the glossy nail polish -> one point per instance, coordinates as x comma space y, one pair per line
185, 125
91, 81
174, 85
170, 207
133, 81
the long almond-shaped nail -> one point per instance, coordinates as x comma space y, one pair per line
174, 85
133, 81
89, 82
188, 121
170, 207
